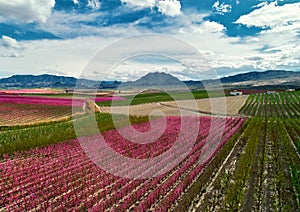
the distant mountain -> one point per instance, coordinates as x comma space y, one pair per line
154, 80
52, 81
269, 79
258, 76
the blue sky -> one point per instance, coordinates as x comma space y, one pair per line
234, 36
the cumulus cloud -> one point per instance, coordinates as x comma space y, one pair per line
75, 1
9, 47
278, 43
221, 8
272, 15
166, 7
139, 3
169, 7
213, 26
9, 42
94, 4
26, 11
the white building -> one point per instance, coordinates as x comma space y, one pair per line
290, 90
236, 93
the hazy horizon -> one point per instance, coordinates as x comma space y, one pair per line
60, 37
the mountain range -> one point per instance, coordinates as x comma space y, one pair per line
271, 78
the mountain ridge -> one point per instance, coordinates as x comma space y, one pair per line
254, 78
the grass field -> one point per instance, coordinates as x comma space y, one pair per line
162, 97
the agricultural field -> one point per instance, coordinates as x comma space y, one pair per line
23, 110
61, 176
253, 164
28, 110
146, 98
203, 107
261, 172
279, 104
27, 114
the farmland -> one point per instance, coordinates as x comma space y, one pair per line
29, 110
202, 107
253, 164
61, 176
21, 114
261, 173
280, 104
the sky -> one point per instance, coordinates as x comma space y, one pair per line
233, 36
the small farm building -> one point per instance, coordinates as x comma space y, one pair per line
236, 93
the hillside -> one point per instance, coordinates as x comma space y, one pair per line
52, 81
154, 80
266, 79
259, 76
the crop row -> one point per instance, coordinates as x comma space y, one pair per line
16, 138
26, 114
61, 176
53, 100
282, 104
29, 110
262, 173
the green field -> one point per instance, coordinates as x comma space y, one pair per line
163, 97
14, 139
259, 168
281, 104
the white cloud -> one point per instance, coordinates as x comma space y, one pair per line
169, 7
139, 3
212, 26
272, 15
9, 47
9, 42
11, 54
280, 35
94, 4
75, 1
221, 8
41, 56
166, 7
26, 11
261, 4
67, 25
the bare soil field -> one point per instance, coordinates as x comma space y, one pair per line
213, 106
